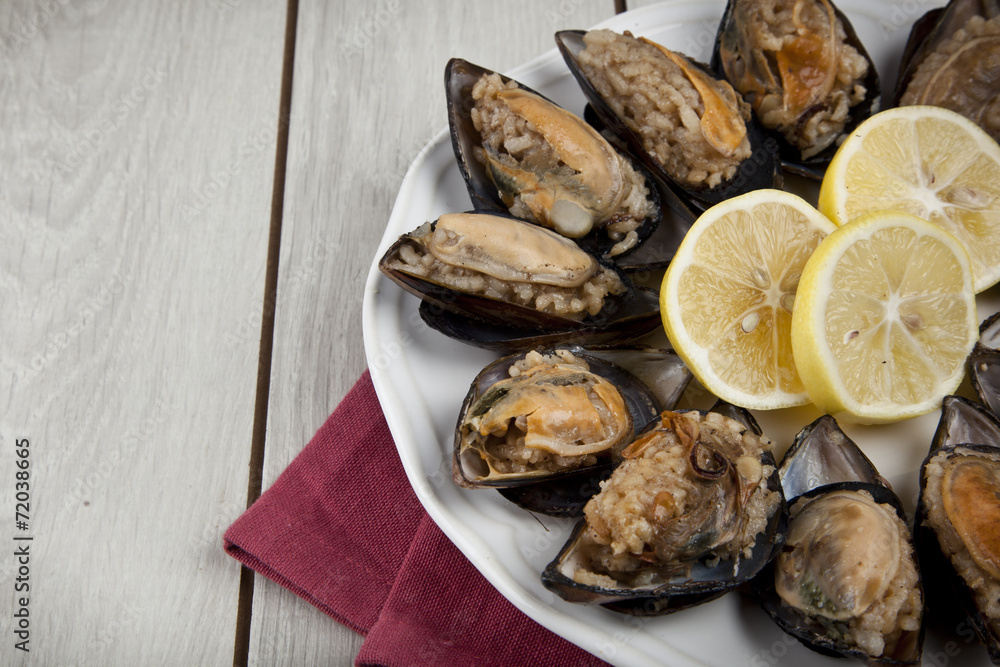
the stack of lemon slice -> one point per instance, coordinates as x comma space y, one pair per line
728, 294
883, 296
927, 161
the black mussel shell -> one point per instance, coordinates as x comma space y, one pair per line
963, 421
563, 496
460, 77
760, 170
965, 427
823, 454
815, 635
983, 365
514, 316
791, 157
637, 319
737, 413
652, 602
557, 493
929, 33
656, 251
697, 582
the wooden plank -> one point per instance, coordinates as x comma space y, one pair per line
138, 151
367, 96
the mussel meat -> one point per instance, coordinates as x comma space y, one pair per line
524, 154
537, 415
505, 270
952, 60
541, 426
846, 581
802, 68
693, 510
689, 127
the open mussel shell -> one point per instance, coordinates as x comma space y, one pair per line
983, 365
760, 170
637, 319
497, 269
825, 635
720, 540
963, 421
957, 524
541, 425
737, 413
755, 71
654, 600
823, 454
461, 77
950, 61
848, 553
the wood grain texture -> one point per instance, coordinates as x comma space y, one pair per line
137, 154
368, 94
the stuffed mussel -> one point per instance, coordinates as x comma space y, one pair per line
846, 581
693, 510
518, 276
541, 426
688, 127
521, 153
804, 71
952, 60
957, 526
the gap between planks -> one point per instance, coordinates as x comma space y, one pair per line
241, 648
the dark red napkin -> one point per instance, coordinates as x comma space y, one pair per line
342, 528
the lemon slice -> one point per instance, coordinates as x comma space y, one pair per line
884, 318
727, 296
928, 161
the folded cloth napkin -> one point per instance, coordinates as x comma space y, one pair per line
342, 528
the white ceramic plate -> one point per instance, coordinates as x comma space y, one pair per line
421, 378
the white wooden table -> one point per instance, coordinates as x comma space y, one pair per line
191, 194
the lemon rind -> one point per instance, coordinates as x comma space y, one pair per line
697, 357
809, 344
